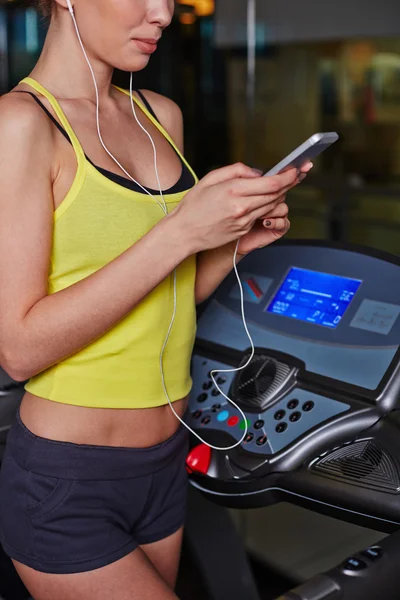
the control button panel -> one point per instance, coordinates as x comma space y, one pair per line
269, 431
362, 561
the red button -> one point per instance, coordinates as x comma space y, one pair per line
232, 421
198, 460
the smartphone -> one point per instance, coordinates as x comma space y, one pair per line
316, 144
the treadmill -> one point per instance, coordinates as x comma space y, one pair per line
321, 398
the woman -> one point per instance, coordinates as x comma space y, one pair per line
93, 482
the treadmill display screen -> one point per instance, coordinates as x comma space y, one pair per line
314, 297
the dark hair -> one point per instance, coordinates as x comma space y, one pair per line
44, 7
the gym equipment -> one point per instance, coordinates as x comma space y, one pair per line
320, 395
371, 573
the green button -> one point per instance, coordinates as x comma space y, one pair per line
243, 424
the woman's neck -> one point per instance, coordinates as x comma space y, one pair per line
63, 68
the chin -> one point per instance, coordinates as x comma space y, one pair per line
139, 63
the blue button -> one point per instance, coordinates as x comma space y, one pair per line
223, 415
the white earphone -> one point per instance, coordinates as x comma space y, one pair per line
164, 208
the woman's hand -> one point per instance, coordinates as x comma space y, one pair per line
265, 231
271, 226
225, 205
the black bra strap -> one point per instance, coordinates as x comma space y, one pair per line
57, 124
147, 104
48, 113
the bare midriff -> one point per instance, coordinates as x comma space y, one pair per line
131, 428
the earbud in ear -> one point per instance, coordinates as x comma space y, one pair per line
71, 10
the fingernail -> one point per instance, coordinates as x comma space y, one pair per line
267, 223
258, 171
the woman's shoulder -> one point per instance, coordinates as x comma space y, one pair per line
168, 113
22, 119
27, 144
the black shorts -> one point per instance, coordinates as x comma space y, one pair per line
68, 508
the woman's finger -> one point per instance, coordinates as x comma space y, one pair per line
278, 224
281, 210
264, 205
274, 186
267, 207
229, 173
281, 231
307, 167
272, 233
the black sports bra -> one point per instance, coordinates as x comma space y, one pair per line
185, 182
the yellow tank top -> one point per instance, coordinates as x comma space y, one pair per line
96, 222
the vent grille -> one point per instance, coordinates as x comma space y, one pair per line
259, 382
362, 463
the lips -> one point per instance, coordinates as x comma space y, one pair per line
147, 45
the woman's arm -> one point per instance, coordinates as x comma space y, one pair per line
212, 265
38, 330
212, 268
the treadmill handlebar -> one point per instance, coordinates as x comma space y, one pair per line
320, 587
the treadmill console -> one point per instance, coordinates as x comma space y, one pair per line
325, 323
